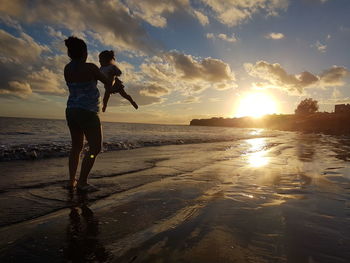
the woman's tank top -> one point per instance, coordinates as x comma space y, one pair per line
84, 95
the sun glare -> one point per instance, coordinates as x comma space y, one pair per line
256, 105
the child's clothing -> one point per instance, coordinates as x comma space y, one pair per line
111, 71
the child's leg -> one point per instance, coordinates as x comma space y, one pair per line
128, 97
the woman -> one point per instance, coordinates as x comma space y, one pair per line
82, 110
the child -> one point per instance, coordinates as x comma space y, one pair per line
108, 67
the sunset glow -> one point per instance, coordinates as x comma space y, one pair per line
181, 59
256, 105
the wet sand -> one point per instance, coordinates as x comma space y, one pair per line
273, 199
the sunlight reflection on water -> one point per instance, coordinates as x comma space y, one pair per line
256, 144
256, 132
257, 158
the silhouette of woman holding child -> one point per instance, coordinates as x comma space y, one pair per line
83, 106
82, 110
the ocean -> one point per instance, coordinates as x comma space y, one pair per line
27, 138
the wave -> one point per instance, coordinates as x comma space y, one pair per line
51, 150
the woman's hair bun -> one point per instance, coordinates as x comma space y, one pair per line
77, 48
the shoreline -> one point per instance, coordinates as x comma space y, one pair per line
266, 199
32, 152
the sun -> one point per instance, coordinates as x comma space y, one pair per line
256, 105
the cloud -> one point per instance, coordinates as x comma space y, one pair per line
207, 69
203, 19
7, 20
154, 90
190, 100
119, 23
336, 94
189, 75
16, 88
226, 38
334, 101
274, 36
210, 35
128, 72
154, 11
25, 69
334, 76
319, 46
276, 76
187, 99
215, 99
222, 36
20, 49
111, 21
46, 81
235, 12
140, 93
55, 33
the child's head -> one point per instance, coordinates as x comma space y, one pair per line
77, 48
106, 57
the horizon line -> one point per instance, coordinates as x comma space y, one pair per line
62, 119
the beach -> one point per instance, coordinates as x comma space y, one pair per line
280, 198
183, 131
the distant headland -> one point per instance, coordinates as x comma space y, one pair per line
305, 119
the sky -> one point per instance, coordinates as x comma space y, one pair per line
181, 59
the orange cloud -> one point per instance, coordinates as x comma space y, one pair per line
278, 77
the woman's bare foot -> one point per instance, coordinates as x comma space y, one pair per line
73, 183
70, 185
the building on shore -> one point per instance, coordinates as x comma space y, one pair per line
342, 108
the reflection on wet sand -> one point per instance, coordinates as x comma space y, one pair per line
83, 244
306, 147
281, 199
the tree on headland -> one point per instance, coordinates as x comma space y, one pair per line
307, 106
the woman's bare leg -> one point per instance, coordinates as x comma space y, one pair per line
94, 138
128, 97
77, 136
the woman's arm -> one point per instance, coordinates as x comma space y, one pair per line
101, 77
117, 71
107, 84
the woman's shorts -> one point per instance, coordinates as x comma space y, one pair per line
82, 119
